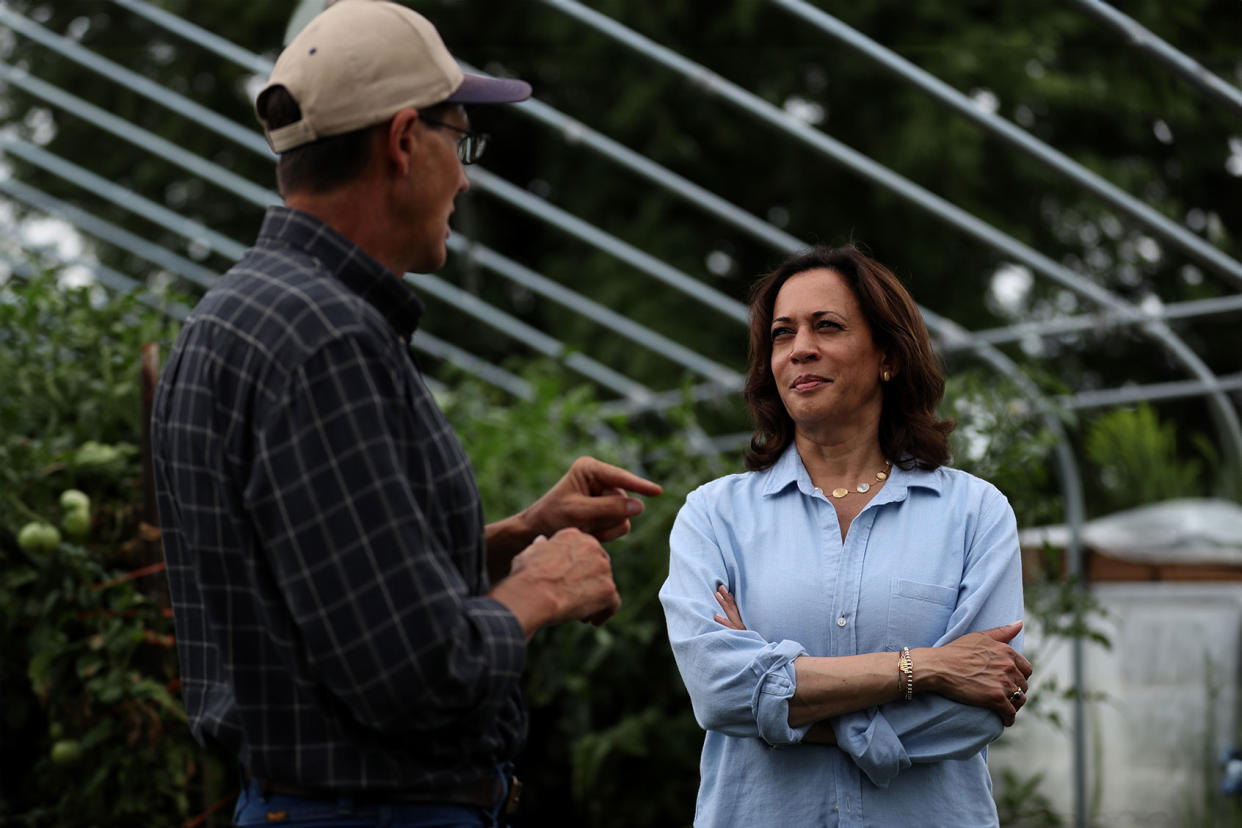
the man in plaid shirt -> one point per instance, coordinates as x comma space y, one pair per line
347, 626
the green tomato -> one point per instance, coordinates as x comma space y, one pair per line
66, 751
76, 523
71, 499
38, 537
93, 453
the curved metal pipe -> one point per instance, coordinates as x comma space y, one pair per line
1015, 136
1152, 46
1225, 416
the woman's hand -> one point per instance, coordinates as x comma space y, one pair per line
732, 617
978, 669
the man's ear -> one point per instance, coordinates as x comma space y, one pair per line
401, 139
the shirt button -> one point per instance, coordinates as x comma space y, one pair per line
841, 620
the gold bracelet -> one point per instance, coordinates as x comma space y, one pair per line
907, 670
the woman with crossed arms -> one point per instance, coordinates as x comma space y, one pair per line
844, 614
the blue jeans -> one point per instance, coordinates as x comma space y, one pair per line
255, 808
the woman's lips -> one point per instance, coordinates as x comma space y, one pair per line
808, 381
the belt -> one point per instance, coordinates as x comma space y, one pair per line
484, 793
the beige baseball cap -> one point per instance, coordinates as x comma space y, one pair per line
359, 62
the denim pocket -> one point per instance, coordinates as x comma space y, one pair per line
918, 614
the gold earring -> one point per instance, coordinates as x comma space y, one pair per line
886, 376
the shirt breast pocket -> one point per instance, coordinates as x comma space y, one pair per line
918, 613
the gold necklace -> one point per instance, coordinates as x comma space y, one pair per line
861, 488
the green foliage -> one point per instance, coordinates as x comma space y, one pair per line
1002, 438
99, 709
1062, 610
72, 405
1059, 606
87, 669
1021, 804
1138, 459
609, 714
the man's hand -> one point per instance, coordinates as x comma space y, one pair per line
590, 497
557, 579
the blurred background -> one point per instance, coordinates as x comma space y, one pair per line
1059, 186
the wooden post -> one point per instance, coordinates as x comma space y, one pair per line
152, 548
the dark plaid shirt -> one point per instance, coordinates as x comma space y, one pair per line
323, 532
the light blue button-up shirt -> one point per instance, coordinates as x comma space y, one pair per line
933, 556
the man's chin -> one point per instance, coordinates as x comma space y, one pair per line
430, 261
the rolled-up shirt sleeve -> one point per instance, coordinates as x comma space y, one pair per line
887, 739
739, 684
376, 610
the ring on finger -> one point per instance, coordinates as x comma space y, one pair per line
1016, 695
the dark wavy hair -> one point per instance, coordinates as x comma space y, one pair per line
911, 433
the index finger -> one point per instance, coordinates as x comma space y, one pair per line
729, 606
607, 476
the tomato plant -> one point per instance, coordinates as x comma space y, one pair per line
88, 673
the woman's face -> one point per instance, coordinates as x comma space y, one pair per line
825, 364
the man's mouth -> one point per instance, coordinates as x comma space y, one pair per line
808, 381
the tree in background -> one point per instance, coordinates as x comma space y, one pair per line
1139, 459
1058, 73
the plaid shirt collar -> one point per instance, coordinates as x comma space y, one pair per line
346, 261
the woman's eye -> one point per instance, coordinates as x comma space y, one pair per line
777, 333
827, 324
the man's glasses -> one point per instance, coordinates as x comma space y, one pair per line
470, 145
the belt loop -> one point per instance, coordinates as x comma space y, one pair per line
511, 792
252, 783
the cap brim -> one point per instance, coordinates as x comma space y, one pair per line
476, 89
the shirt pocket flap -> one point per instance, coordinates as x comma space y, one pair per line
934, 593
918, 613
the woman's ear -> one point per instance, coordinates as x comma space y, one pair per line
888, 368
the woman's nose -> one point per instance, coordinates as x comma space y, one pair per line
803, 348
